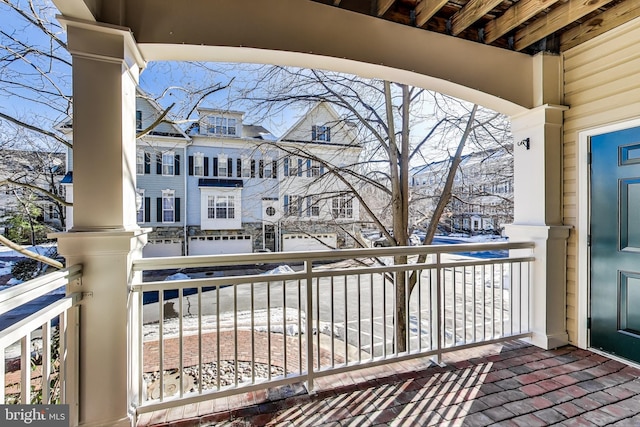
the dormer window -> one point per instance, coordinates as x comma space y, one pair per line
216, 125
321, 133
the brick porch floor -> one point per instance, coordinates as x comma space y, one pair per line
513, 384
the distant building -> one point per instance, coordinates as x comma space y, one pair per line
224, 186
36, 169
160, 180
232, 182
482, 198
319, 210
249, 191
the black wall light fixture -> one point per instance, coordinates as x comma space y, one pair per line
525, 142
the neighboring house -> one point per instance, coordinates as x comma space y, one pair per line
482, 194
232, 185
35, 169
225, 186
248, 191
160, 180
319, 209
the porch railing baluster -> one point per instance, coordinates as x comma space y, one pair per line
449, 311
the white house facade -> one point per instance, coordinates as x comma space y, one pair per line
232, 170
249, 191
317, 198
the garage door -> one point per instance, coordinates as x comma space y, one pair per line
217, 245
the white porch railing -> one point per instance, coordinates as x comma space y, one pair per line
36, 365
231, 329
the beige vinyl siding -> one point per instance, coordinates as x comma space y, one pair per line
602, 86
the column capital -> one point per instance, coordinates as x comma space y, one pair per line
538, 165
102, 42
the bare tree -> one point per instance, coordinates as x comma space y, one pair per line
35, 75
398, 125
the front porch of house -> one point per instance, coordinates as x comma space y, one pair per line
512, 384
213, 339
128, 358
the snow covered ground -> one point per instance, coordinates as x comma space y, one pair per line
9, 256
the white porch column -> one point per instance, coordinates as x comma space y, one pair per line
105, 238
538, 218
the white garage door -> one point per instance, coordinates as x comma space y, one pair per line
216, 245
306, 242
157, 248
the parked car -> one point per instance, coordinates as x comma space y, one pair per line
381, 242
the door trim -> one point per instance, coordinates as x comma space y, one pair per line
582, 188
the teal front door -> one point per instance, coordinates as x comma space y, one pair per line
615, 243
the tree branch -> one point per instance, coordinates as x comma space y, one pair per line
16, 247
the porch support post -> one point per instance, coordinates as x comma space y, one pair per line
538, 218
105, 238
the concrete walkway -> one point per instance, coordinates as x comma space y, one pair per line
513, 384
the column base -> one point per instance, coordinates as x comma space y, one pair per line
548, 291
548, 342
103, 345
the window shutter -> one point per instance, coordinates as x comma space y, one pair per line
176, 164
286, 204
253, 168
299, 167
147, 163
261, 169
177, 209
308, 168
328, 134
190, 165
321, 169
308, 205
147, 209
159, 209
206, 166
230, 168
314, 133
274, 169
286, 166
159, 164
239, 168
215, 166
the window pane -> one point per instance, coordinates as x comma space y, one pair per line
140, 162
198, 165
167, 163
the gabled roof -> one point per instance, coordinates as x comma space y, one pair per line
288, 135
166, 129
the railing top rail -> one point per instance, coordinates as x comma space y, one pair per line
147, 264
213, 282
17, 295
35, 320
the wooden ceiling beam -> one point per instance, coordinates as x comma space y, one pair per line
384, 5
470, 13
514, 16
555, 20
607, 20
426, 9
